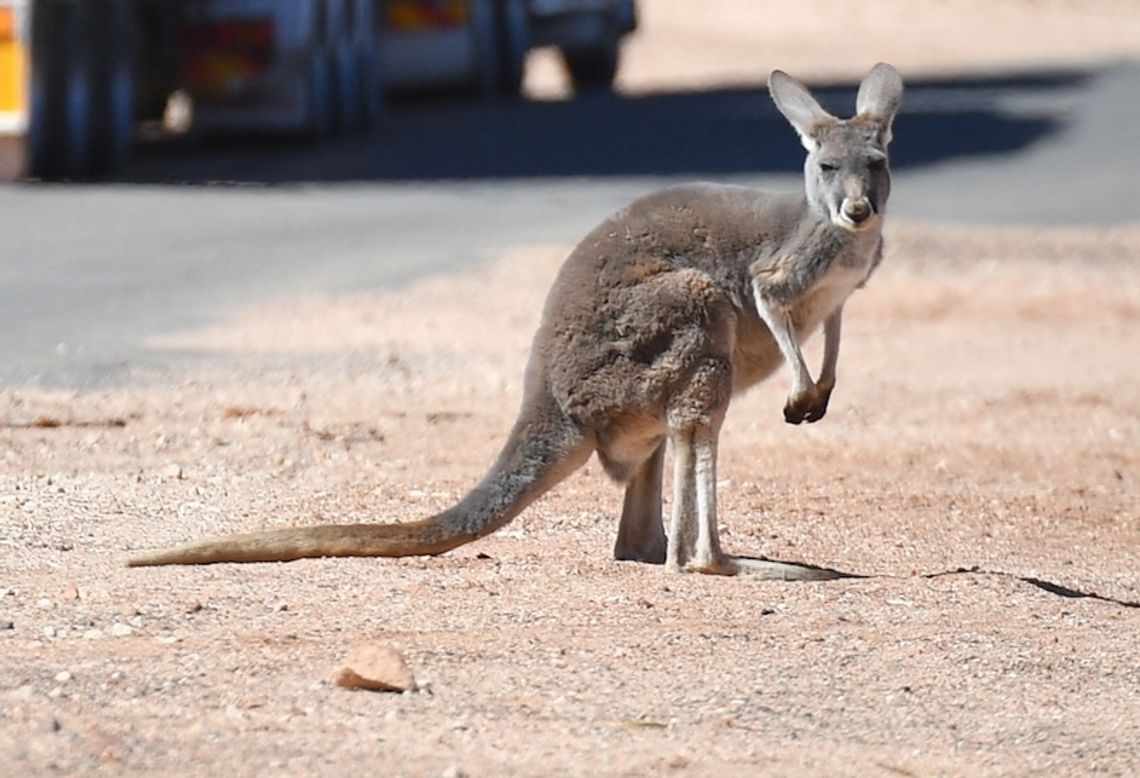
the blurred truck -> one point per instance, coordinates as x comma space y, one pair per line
78, 77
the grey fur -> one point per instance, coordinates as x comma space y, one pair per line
657, 318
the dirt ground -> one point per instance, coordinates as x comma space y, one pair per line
986, 420
979, 468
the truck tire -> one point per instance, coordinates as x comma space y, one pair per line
364, 57
60, 99
513, 31
370, 84
318, 95
112, 122
485, 36
593, 65
346, 80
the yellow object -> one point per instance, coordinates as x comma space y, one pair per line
13, 74
411, 15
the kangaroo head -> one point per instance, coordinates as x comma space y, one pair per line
847, 175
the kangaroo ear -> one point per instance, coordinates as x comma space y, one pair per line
798, 107
879, 98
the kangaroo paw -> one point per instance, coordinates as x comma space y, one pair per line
809, 406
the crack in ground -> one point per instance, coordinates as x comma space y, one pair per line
1059, 590
1046, 586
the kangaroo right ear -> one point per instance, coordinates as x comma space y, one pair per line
798, 107
879, 98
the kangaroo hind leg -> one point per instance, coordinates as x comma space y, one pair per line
694, 539
641, 532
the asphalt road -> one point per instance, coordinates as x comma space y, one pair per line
194, 232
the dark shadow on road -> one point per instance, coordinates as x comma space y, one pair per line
719, 132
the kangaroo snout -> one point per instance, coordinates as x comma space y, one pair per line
857, 211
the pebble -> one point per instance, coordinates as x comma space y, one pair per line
63, 676
121, 630
376, 668
93, 634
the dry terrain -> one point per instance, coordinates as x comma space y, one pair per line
979, 467
979, 470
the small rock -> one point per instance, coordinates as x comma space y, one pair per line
454, 771
50, 631
63, 676
121, 630
376, 668
71, 592
93, 634
5, 624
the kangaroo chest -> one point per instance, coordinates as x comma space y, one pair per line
825, 296
836, 277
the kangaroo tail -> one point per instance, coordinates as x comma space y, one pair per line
544, 448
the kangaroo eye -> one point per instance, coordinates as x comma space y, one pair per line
828, 167
876, 163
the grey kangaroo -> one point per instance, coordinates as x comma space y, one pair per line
658, 317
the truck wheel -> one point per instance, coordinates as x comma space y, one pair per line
364, 50
593, 65
112, 88
513, 28
318, 96
347, 81
484, 32
59, 131
371, 88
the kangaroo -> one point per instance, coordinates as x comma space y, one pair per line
657, 318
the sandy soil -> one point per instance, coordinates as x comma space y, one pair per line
986, 420
978, 467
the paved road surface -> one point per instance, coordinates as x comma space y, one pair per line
87, 272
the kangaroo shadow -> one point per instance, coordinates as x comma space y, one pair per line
723, 131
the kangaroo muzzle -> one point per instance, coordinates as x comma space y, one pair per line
856, 211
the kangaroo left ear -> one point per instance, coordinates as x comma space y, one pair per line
797, 105
879, 98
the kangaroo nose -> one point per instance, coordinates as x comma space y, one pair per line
858, 211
